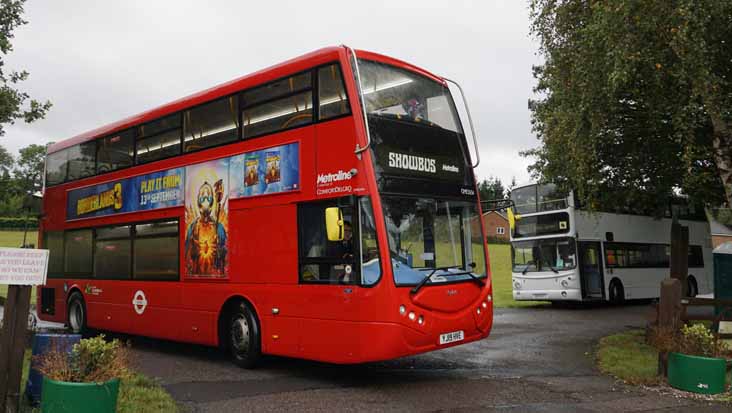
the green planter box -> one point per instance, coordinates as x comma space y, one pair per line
696, 374
66, 397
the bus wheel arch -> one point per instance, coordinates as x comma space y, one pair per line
692, 286
239, 331
616, 291
76, 313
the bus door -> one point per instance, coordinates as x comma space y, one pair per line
590, 269
332, 279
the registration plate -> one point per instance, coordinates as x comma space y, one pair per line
452, 337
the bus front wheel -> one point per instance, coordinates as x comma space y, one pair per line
76, 313
244, 343
617, 293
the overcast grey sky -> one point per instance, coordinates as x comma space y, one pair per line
100, 61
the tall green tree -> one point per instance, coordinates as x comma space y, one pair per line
14, 103
6, 166
491, 188
28, 171
635, 99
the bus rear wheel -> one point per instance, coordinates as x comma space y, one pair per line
76, 313
617, 293
243, 338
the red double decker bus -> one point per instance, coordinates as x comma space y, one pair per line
324, 208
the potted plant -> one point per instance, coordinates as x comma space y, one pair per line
84, 380
696, 360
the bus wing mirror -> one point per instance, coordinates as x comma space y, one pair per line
334, 223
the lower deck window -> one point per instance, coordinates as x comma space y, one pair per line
144, 251
78, 252
156, 258
53, 241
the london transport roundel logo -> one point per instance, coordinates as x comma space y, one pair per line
139, 302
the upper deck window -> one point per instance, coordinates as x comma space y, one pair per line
395, 93
212, 124
81, 160
115, 152
538, 198
56, 167
264, 93
158, 139
332, 97
279, 105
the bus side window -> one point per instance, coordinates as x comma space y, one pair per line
53, 241
279, 105
115, 152
323, 261
57, 164
112, 254
81, 160
158, 139
78, 249
212, 124
332, 97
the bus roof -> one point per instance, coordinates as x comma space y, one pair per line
297, 64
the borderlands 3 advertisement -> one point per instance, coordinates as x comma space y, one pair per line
156, 190
207, 218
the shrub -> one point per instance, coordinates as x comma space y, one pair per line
698, 340
90, 360
693, 340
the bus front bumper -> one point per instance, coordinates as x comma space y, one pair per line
568, 294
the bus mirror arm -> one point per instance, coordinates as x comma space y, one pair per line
359, 92
470, 120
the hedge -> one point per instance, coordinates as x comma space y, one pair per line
18, 223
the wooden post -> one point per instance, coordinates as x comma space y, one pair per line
669, 315
12, 346
679, 259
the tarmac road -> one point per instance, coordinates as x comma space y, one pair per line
536, 360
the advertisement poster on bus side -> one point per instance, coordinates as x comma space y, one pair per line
207, 218
266, 171
162, 189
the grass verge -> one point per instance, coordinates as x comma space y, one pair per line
627, 357
136, 394
500, 263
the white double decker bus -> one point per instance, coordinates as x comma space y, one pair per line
561, 253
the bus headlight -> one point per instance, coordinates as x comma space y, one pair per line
402, 309
517, 285
412, 316
420, 320
565, 284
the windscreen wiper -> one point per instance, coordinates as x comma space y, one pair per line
550, 267
422, 283
526, 268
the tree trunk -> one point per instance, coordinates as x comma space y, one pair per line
722, 144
